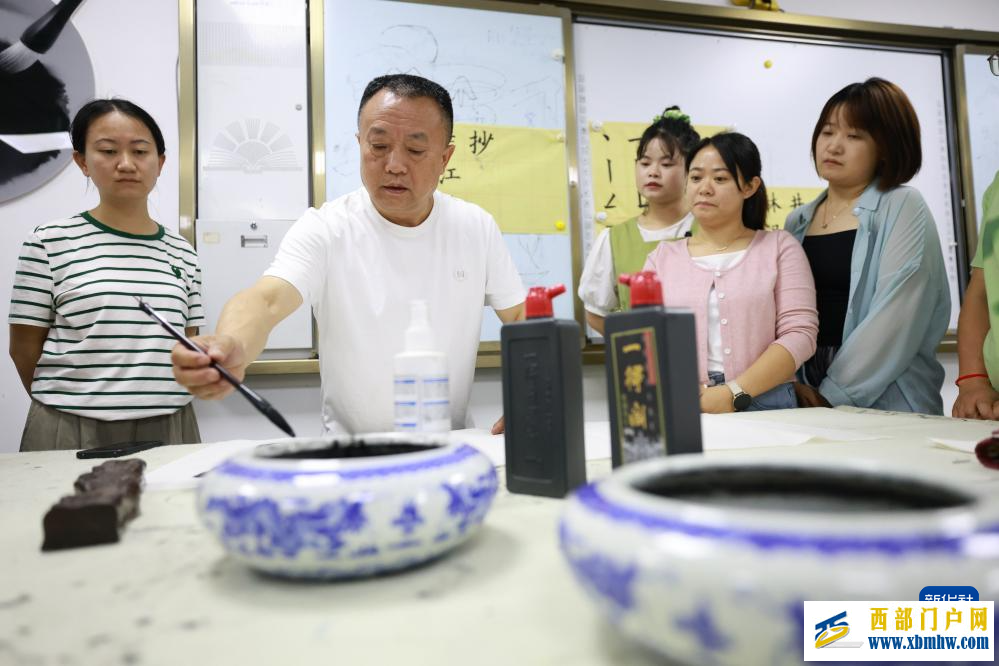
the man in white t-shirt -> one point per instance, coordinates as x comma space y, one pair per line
360, 259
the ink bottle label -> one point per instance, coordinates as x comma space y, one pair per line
637, 394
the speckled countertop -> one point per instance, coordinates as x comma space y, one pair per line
167, 594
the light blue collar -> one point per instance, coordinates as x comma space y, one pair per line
870, 198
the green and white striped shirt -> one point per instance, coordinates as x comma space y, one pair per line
103, 358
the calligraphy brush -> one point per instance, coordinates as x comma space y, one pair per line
262, 405
37, 38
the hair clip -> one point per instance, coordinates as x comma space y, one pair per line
656, 119
676, 114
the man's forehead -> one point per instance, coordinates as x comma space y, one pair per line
379, 128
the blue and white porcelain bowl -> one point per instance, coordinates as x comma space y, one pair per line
709, 561
346, 507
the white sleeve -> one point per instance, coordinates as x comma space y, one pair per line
32, 303
504, 288
598, 284
302, 258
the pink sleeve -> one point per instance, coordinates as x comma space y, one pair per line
794, 295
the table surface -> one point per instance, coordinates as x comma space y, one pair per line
167, 594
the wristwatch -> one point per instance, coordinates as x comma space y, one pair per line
740, 399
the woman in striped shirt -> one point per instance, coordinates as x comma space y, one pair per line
97, 369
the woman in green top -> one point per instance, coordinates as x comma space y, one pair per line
977, 345
97, 369
660, 173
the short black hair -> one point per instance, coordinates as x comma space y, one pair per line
742, 159
97, 108
673, 128
884, 111
410, 85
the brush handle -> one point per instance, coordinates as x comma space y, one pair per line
42, 34
262, 405
256, 400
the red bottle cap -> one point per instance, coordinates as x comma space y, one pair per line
539, 300
987, 451
645, 288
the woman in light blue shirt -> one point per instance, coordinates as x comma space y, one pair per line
882, 290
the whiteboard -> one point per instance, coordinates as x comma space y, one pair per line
252, 149
501, 68
724, 80
981, 91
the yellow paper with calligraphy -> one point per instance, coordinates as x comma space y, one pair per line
518, 174
782, 200
612, 155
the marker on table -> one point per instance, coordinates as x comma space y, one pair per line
262, 405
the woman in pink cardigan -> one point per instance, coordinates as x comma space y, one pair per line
751, 290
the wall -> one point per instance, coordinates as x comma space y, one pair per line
133, 46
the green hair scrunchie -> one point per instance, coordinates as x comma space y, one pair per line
675, 114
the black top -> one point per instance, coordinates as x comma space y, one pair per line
829, 256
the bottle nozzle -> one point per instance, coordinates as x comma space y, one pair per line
645, 288
419, 336
539, 301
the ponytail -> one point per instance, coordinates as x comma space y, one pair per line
754, 209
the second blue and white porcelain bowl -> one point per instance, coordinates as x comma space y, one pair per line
346, 507
709, 561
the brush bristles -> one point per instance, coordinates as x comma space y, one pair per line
16, 58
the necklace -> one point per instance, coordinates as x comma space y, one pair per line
722, 248
825, 214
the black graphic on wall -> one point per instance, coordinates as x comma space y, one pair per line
45, 76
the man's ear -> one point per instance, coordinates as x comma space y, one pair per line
448, 152
81, 162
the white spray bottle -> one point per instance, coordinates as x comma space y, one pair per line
422, 402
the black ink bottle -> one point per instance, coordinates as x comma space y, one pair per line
543, 400
652, 392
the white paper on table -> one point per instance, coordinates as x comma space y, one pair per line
184, 472
596, 434
720, 432
955, 444
724, 431
491, 445
795, 431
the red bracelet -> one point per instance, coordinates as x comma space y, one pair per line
957, 382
